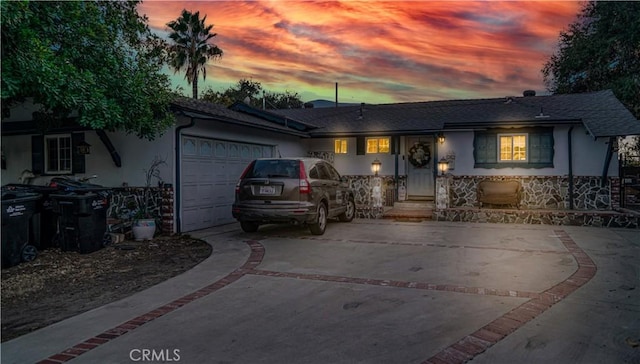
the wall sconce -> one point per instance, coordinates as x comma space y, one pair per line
84, 148
441, 138
375, 166
443, 165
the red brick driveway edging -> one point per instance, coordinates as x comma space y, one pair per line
460, 352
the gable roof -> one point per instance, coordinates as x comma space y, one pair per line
600, 112
205, 110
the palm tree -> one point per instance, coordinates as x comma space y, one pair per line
191, 48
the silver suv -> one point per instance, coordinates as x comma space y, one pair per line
292, 190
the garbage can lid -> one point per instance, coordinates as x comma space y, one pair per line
16, 196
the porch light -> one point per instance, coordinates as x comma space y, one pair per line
84, 148
441, 138
443, 165
375, 166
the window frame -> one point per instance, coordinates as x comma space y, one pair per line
378, 139
47, 156
513, 152
342, 147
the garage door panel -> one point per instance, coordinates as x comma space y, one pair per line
222, 214
189, 195
197, 218
190, 171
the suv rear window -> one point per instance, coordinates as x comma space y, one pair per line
274, 168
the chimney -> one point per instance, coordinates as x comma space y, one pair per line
529, 93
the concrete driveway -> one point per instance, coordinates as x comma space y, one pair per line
374, 291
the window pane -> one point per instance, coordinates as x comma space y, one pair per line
344, 146
383, 145
505, 148
372, 145
65, 154
337, 145
52, 154
519, 148
340, 146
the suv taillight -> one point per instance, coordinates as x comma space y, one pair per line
305, 187
244, 173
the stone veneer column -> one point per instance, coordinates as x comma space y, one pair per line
166, 210
442, 192
616, 197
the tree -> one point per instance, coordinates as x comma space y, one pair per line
600, 50
285, 100
191, 49
249, 91
97, 58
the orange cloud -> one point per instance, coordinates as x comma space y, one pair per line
379, 51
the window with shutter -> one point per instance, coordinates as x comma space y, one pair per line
57, 154
502, 148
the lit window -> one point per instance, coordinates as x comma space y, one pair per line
378, 145
58, 153
513, 147
340, 146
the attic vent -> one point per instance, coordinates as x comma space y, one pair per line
528, 93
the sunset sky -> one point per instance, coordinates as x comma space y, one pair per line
378, 52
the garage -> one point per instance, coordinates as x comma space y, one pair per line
210, 169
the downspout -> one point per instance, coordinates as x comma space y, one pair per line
607, 161
177, 188
570, 168
395, 176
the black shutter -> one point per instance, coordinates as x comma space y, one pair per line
541, 149
77, 159
392, 145
485, 149
360, 146
37, 154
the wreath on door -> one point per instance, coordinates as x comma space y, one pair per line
419, 155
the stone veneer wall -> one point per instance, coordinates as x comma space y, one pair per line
538, 217
125, 201
543, 192
363, 187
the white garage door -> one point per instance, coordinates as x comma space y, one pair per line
210, 170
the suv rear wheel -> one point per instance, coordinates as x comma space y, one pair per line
350, 212
249, 226
321, 221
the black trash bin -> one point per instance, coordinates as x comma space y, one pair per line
44, 222
17, 210
82, 219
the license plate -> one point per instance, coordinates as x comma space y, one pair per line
267, 190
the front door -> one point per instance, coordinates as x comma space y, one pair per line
420, 164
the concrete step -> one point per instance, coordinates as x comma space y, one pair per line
408, 215
410, 211
414, 205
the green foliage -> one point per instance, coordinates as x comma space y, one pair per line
98, 58
252, 91
600, 50
190, 49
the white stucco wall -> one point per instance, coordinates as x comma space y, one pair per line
137, 154
353, 164
588, 155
